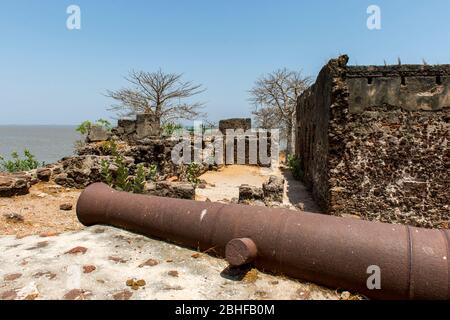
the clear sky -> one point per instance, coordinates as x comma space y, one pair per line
52, 75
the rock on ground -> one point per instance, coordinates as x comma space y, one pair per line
14, 184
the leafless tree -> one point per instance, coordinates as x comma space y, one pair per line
265, 118
161, 94
275, 97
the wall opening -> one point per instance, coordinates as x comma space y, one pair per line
439, 80
403, 81
369, 80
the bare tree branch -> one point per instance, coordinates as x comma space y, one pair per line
158, 93
274, 97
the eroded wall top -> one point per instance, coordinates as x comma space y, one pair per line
411, 87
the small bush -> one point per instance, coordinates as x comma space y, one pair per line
294, 165
85, 126
17, 164
169, 128
110, 148
121, 179
106, 173
192, 173
105, 124
139, 179
152, 170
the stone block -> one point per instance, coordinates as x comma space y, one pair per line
274, 189
14, 185
44, 174
235, 123
179, 190
147, 126
250, 193
126, 126
97, 134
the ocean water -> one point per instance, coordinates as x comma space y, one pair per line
47, 143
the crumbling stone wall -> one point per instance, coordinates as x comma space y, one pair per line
312, 135
380, 141
235, 123
144, 127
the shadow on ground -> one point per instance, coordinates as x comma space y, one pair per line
297, 192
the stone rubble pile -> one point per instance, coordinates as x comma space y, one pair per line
269, 195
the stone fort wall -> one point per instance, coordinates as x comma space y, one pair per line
373, 142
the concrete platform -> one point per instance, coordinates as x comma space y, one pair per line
107, 263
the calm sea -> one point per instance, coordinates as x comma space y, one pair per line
47, 143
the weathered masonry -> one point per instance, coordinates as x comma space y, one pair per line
373, 141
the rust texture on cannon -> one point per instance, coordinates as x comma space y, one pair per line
331, 251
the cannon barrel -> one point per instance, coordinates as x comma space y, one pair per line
332, 251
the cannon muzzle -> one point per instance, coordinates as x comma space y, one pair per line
379, 260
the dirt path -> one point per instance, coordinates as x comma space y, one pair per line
224, 185
296, 192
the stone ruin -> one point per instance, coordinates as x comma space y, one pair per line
131, 131
138, 141
373, 141
235, 123
263, 144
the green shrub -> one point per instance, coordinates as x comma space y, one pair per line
169, 128
106, 173
85, 126
105, 124
17, 164
122, 180
139, 179
192, 173
110, 148
152, 170
294, 165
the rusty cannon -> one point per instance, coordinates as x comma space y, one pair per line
413, 263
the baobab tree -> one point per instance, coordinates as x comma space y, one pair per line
274, 97
161, 94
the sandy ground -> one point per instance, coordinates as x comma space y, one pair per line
40, 211
224, 185
50, 255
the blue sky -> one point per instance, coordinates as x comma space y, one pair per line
51, 75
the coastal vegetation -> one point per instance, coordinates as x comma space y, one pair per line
85, 126
192, 173
169, 128
117, 174
18, 164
